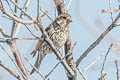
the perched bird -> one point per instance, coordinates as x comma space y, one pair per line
58, 32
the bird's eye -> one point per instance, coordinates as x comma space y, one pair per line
64, 17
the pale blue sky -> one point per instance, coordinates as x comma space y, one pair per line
88, 23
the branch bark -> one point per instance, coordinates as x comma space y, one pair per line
10, 71
117, 69
18, 58
92, 46
17, 26
14, 47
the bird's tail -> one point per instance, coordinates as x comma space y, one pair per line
38, 61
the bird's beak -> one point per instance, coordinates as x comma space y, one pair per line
70, 20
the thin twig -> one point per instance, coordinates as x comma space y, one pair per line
17, 57
12, 60
38, 8
16, 19
1, 5
30, 17
14, 32
56, 66
82, 74
12, 39
46, 13
10, 71
68, 6
3, 31
102, 73
117, 70
32, 75
110, 6
111, 11
38, 14
16, 28
14, 22
60, 6
93, 45
15, 8
91, 64
59, 62
31, 32
55, 12
34, 68
26, 5
102, 77
52, 69
13, 17
74, 45
4, 16
10, 7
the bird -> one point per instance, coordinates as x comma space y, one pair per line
58, 32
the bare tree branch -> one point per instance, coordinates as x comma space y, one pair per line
52, 69
93, 45
68, 6
12, 39
15, 50
11, 59
102, 73
17, 57
110, 6
117, 70
1, 5
30, 17
16, 28
82, 74
102, 77
10, 7
31, 32
91, 64
15, 18
3, 31
60, 6
10, 71
12, 43
34, 68
33, 75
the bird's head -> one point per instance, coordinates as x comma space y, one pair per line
64, 18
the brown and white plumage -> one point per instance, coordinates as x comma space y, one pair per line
58, 33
